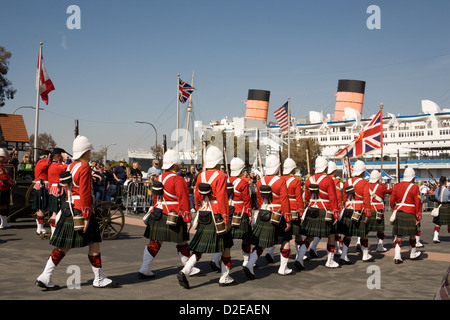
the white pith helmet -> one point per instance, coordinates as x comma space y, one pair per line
213, 157
81, 144
331, 167
375, 176
321, 164
236, 166
289, 165
170, 158
358, 168
272, 165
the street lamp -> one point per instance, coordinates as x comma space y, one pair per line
156, 132
28, 107
106, 149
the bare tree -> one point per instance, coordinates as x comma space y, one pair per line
298, 153
44, 142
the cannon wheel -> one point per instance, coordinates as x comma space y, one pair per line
110, 218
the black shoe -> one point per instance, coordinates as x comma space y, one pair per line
145, 277
42, 285
269, 258
358, 248
372, 259
344, 262
299, 265
201, 273
313, 254
249, 275
214, 266
230, 284
398, 261
182, 280
111, 285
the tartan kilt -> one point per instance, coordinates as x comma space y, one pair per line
376, 225
4, 197
159, 230
66, 237
40, 199
244, 231
444, 216
350, 228
265, 234
296, 227
317, 226
53, 205
404, 224
206, 239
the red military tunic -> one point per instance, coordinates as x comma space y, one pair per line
327, 193
218, 197
176, 195
340, 202
378, 191
82, 188
53, 177
5, 180
294, 188
361, 200
412, 202
280, 199
41, 172
241, 200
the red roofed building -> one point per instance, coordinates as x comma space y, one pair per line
13, 133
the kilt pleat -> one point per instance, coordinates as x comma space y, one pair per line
53, 204
351, 228
159, 230
244, 231
265, 234
444, 216
404, 224
40, 199
376, 225
317, 226
206, 239
66, 237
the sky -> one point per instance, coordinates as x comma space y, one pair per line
122, 64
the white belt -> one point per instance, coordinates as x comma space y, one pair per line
237, 201
55, 184
170, 202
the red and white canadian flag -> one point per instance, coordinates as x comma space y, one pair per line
45, 84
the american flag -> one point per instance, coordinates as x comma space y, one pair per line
282, 117
185, 91
368, 140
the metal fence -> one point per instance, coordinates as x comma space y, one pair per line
137, 197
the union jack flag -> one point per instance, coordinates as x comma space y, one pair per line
185, 91
369, 139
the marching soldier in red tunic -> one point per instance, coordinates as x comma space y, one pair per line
170, 218
295, 194
240, 205
355, 218
78, 208
213, 227
377, 192
6, 182
406, 215
40, 201
273, 225
57, 190
320, 217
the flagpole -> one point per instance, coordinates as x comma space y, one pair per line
178, 109
289, 127
36, 121
189, 108
381, 140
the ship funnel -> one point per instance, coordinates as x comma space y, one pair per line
350, 95
257, 104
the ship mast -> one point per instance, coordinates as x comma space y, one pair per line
189, 109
